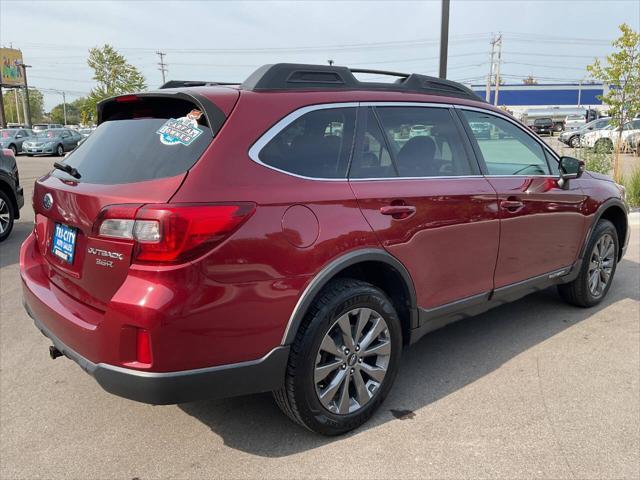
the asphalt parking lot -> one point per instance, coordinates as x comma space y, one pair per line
534, 389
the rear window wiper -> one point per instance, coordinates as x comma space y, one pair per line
67, 169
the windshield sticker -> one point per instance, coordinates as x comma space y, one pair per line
183, 130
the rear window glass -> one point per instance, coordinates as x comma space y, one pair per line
317, 145
130, 145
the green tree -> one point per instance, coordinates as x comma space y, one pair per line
114, 76
36, 102
74, 115
622, 75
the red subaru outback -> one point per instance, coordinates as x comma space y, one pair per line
295, 233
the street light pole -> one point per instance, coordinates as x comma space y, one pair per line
64, 106
444, 38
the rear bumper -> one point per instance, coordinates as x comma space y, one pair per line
262, 375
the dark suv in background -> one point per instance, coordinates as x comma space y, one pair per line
11, 196
543, 125
294, 233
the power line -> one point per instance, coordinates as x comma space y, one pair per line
390, 44
553, 66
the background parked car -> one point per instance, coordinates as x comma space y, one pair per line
481, 129
574, 122
605, 140
52, 142
11, 196
633, 141
13, 138
85, 132
543, 125
572, 138
45, 126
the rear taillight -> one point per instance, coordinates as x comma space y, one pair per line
171, 233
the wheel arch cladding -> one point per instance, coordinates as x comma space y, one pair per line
616, 215
369, 265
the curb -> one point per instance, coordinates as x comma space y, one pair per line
634, 218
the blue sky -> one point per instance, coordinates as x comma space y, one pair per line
225, 41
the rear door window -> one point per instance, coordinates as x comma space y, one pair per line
317, 145
129, 146
372, 158
424, 142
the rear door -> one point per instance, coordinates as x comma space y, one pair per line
133, 157
67, 140
542, 224
423, 195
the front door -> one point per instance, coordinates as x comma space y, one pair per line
420, 190
542, 224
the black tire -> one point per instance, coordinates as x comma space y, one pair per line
603, 145
578, 292
574, 141
14, 149
7, 216
299, 399
60, 150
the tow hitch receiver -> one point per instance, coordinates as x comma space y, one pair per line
54, 352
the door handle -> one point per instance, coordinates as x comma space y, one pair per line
398, 211
511, 205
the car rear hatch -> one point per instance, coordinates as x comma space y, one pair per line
139, 154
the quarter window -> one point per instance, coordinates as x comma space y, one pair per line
505, 148
317, 145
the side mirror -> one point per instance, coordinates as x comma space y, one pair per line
570, 168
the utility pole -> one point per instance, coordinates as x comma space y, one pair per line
487, 95
444, 38
499, 43
27, 107
64, 106
3, 120
16, 91
163, 66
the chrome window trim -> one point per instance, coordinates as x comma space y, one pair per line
389, 179
518, 125
406, 104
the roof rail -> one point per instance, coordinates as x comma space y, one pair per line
292, 76
194, 83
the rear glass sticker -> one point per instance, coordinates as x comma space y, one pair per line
183, 130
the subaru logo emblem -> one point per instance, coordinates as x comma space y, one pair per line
47, 201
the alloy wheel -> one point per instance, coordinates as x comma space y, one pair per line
5, 216
601, 264
352, 361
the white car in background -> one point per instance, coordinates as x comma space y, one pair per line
574, 122
605, 140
